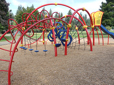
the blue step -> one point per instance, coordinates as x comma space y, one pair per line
30, 49
36, 51
64, 40
21, 47
58, 45
24, 48
45, 50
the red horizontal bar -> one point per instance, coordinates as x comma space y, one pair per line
7, 71
5, 60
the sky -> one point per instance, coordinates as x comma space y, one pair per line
90, 5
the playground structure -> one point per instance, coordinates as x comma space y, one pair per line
58, 30
96, 18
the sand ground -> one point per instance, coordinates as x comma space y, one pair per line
79, 67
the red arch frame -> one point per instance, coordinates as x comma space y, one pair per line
24, 32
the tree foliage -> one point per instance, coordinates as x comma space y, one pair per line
76, 22
50, 12
108, 16
22, 10
68, 18
4, 16
61, 14
108, 27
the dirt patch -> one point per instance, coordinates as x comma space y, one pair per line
79, 67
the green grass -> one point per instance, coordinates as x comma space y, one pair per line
100, 36
84, 32
7, 37
96, 36
37, 35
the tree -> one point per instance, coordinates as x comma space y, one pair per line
4, 16
87, 20
50, 12
61, 14
19, 13
22, 10
68, 18
108, 9
56, 15
11, 15
108, 28
43, 13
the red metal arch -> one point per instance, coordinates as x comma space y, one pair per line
52, 4
15, 47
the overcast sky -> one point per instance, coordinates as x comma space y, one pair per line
90, 5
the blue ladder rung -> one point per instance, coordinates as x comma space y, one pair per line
64, 40
57, 45
30, 49
45, 50
36, 51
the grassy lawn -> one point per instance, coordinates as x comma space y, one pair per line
71, 33
7, 37
37, 35
80, 34
74, 34
100, 36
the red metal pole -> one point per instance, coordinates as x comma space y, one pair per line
54, 38
108, 40
91, 49
93, 36
43, 33
78, 36
98, 37
102, 36
54, 42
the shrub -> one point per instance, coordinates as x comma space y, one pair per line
108, 27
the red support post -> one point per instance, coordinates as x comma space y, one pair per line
98, 37
93, 37
102, 36
108, 40
43, 33
54, 42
